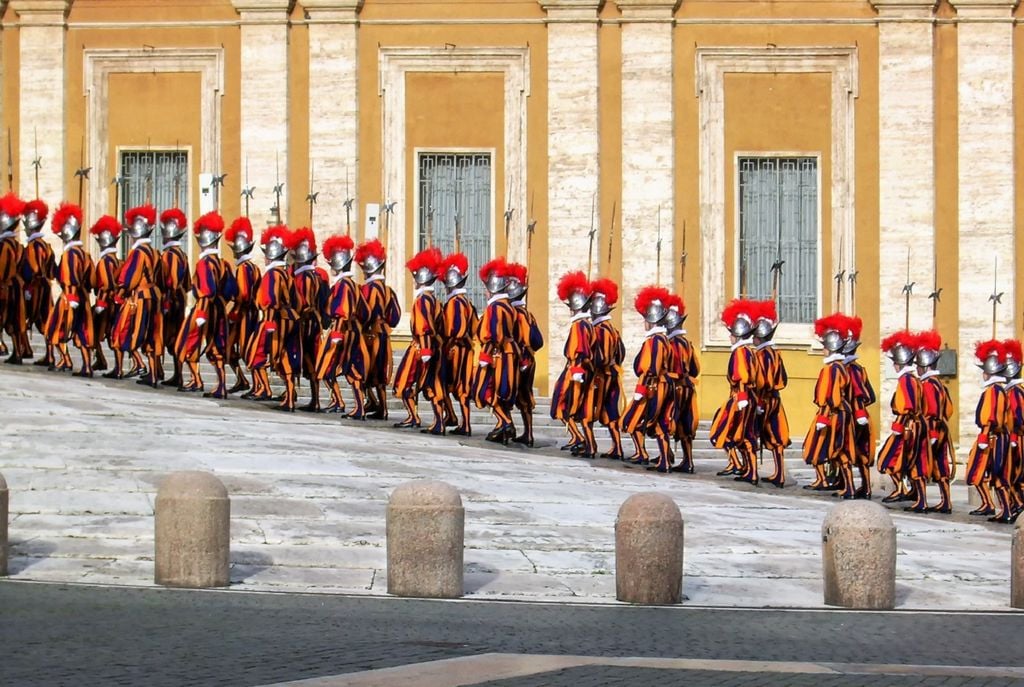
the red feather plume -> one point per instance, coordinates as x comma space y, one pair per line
457, 260
370, 248
516, 271
572, 281
37, 206
835, 322
431, 258
856, 326
104, 223
929, 339
768, 310
648, 295
608, 288
242, 226
900, 338
676, 302
737, 307
498, 266
12, 205
1012, 349
176, 215
335, 244
65, 211
303, 234
147, 212
211, 220
279, 232
985, 349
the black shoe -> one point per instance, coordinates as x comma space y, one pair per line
174, 380
13, 360
376, 415
240, 386
727, 472
333, 409
944, 510
435, 430
408, 423
459, 432
570, 446
891, 498
44, 362
1001, 519
781, 484
982, 511
82, 373
612, 455
310, 408
113, 374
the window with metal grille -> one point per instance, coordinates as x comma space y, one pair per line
778, 223
455, 197
157, 177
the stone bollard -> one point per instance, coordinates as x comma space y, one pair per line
1017, 566
649, 550
425, 539
193, 531
859, 556
3, 525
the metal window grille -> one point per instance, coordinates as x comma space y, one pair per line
455, 189
157, 177
778, 213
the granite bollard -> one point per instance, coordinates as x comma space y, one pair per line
193, 531
1017, 566
649, 550
425, 540
4, 495
859, 556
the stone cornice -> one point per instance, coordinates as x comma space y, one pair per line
332, 11
263, 11
647, 10
908, 9
984, 9
571, 10
41, 12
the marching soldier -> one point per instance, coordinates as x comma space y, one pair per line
935, 461
12, 287
38, 268
609, 354
828, 439
106, 269
244, 317
418, 372
732, 425
379, 312
861, 397
71, 317
904, 443
312, 292
530, 341
176, 286
987, 458
139, 326
685, 369
460, 324
496, 380
204, 330
568, 398
646, 414
1015, 407
342, 349
772, 379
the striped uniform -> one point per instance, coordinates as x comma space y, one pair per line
831, 443
495, 384
684, 398
731, 426
313, 294
38, 267
459, 327
414, 376
210, 290
139, 324
104, 283
243, 320
772, 379
988, 457
568, 399
176, 284
273, 346
378, 312
71, 317
904, 444
1015, 424
646, 415
606, 387
861, 396
531, 341
342, 348
936, 461
12, 287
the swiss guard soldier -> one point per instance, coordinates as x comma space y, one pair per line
312, 292
244, 317
732, 426
828, 441
379, 313
418, 372
12, 297
987, 458
935, 461
530, 341
646, 414
686, 368
37, 269
204, 330
770, 413
139, 325
568, 400
861, 397
342, 349
71, 317
1015, 407
496, 381
176, 285
609, 354
460, 325
904, 443
106, 269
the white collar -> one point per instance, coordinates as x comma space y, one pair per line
375, 277
172, 244
245, 258
741, 342
835, 357
335, 278
906, 370
141, 242
276, 263
658, 329
303, 269
765, 344
1011, 383
457, 292
996, 379
6, 234
497, 297
209, 251
35, 235
72, 244
850, 358
429, 288
108, 251
675, 333
582, 315
928, 374
519, 304
602, 318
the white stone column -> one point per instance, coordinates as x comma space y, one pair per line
573, 146
41, 97
264, 104
334, 109
906, 161
648, 161
986, 184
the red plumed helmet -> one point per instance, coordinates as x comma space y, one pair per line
930, 340
368, 249
11, 205
279, 233
517, 272
836, 322
607, 288
648, 296
337, 243
212, 221
989, 349
573, 282
240, 227
737, 308
497, 266
174, 215
430, 258
767, 310
146, 212
104, 223
65, 211
676, 302
303, 234
856, 326
900, 338
457, 260
1012, 350
37, 206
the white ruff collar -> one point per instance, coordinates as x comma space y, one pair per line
742, 342
209, 251
654, 331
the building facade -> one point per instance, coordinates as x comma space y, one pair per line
695, 142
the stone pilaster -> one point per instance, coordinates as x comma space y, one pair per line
264, 102
42, 24
648, 161
906, 146
986, 183
573, 147
334, 108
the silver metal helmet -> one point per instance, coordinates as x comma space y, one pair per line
515, 288
371, 265
833, 341
454, 278
993, 365
1012, 368
106, 239
741, 327
140, 228
496, 283
926, 357
765, 329
656, 312
673, 320
274, 248
340, 260
901, 354
578, 300
8, 222
599, 304
241, 245
424, 276
207, 237
33, 221
850, 345
304, 252
170, 230
70, 229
